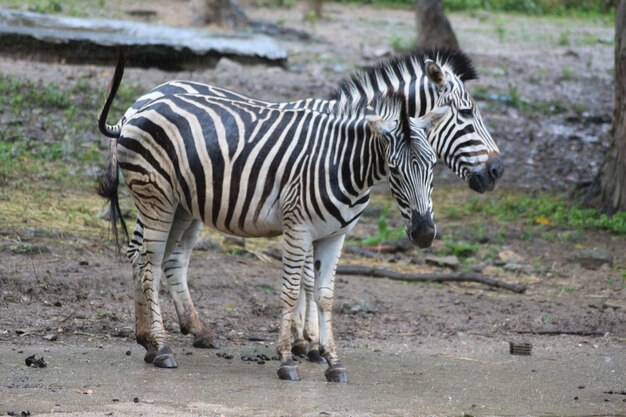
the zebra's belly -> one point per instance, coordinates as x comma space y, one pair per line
243, 218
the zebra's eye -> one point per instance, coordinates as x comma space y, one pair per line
466, 112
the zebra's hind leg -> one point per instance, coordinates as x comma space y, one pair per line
326, 256
185, 230
296, 247
155, 235
142, 316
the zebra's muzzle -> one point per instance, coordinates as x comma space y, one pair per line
485, 179
422, 230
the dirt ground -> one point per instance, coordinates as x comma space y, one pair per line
71, 290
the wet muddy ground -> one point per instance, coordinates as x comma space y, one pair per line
545, 92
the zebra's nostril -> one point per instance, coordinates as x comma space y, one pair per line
496, 168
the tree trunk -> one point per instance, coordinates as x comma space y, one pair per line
433, 27
608, 190
218, 12
314, 8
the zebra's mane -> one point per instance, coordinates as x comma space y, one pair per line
412, 63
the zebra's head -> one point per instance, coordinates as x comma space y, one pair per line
463, 142
428, 79
410, 160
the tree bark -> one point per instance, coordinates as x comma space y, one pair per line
225, 13
433, 27
314, 8
608, 191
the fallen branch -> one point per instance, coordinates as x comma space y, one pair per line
428, 277
560, 332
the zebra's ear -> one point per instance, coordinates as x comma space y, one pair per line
434, 73
429, 119
380, 125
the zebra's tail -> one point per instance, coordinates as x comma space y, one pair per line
107, 129
108, 181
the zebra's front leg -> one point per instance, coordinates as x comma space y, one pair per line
186, 230
326, 254
296, 247
305, 323
149, 276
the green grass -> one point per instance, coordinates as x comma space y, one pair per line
402, 44
385, 233
578, 8
543, 210
512, 98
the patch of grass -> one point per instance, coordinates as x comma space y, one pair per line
385, 232
564, 38
541, 210
567, 73
66, 7
401, 44
19, 95
461, 249
512, 98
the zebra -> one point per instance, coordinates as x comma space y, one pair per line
255, 171
426, 78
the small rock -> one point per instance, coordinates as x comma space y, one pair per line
34, 362
515, 267
136, 400
444, 261
593, 259
362, 306
51, 337
225, 65
206, 245
128, 353
376, 53
509, 257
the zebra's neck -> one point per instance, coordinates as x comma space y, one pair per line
365, 165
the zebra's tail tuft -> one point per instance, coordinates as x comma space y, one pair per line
108, 183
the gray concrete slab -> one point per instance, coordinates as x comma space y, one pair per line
92, 381
94, 41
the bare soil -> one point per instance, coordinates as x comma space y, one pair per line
558, 76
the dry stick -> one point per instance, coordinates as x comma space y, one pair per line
428, 277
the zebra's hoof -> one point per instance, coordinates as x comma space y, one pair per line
315, 357
336, 373
165, 358
299, 348
288, 371
206, 341
150, 354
